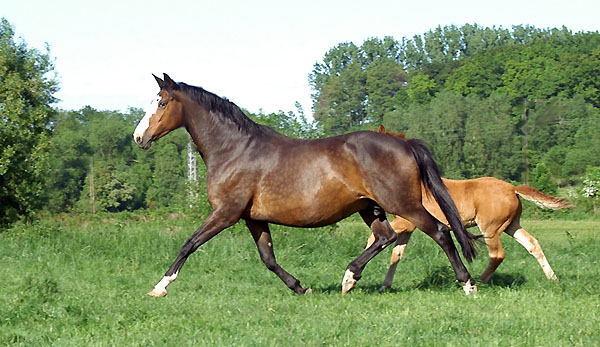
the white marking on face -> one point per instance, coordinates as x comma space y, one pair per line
145, 122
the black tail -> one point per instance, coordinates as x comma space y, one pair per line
430, 175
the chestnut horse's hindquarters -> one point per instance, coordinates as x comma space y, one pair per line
430, 176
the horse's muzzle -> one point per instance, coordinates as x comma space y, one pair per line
143, 143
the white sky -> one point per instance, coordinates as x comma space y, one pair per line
256, 53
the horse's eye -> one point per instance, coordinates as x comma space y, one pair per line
162, 104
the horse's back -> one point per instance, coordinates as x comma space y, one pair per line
324, 180
486, 199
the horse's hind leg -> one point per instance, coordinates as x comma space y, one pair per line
496, 253
262, 236
532, 246
375, 218
441, 235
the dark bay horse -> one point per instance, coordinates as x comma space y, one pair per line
258, 175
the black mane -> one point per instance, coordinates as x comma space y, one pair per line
222, 107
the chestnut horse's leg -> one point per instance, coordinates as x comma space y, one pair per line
491, 230
404, 230
213, 224
532, 246
375, 218
262, 236
496, 256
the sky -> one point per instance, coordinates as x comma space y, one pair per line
257, 54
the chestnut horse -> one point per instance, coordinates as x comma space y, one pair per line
258, 175
490, 203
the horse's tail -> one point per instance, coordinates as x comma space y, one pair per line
541, 199
432, 181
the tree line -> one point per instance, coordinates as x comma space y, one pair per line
519, 104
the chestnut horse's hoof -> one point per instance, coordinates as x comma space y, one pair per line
348, 282
158, 293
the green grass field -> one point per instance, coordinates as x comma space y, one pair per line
83, 282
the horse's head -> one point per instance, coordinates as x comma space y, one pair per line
163, 115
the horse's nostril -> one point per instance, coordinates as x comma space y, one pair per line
138, 139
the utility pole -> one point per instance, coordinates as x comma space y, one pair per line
192, 164
92, 195
526, 129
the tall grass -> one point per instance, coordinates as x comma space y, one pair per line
83, 282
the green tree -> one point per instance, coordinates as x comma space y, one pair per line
446, 117
585, 147
69, 162
339, 105
385, 88
421, 89
591, 188
26, 95
288, 123
490, 147
541, 179
168, 180
106, 189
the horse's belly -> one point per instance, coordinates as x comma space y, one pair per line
305, 211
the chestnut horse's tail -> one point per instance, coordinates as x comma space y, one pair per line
432, 181
541, 199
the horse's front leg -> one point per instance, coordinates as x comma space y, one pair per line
375, 218
214, 223
262, 236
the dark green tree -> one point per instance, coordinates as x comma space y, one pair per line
490, 146
541, 179
69, 155
168, 180
26, 97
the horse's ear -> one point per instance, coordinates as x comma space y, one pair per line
160, 82
171, 85
381, 128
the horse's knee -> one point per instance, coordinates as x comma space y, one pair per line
384, 234
391, 238
496, 260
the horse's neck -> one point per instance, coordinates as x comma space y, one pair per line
215, 139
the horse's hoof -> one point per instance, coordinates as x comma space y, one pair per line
383, 289
308, 291
157, 293
348, 282
469, 288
